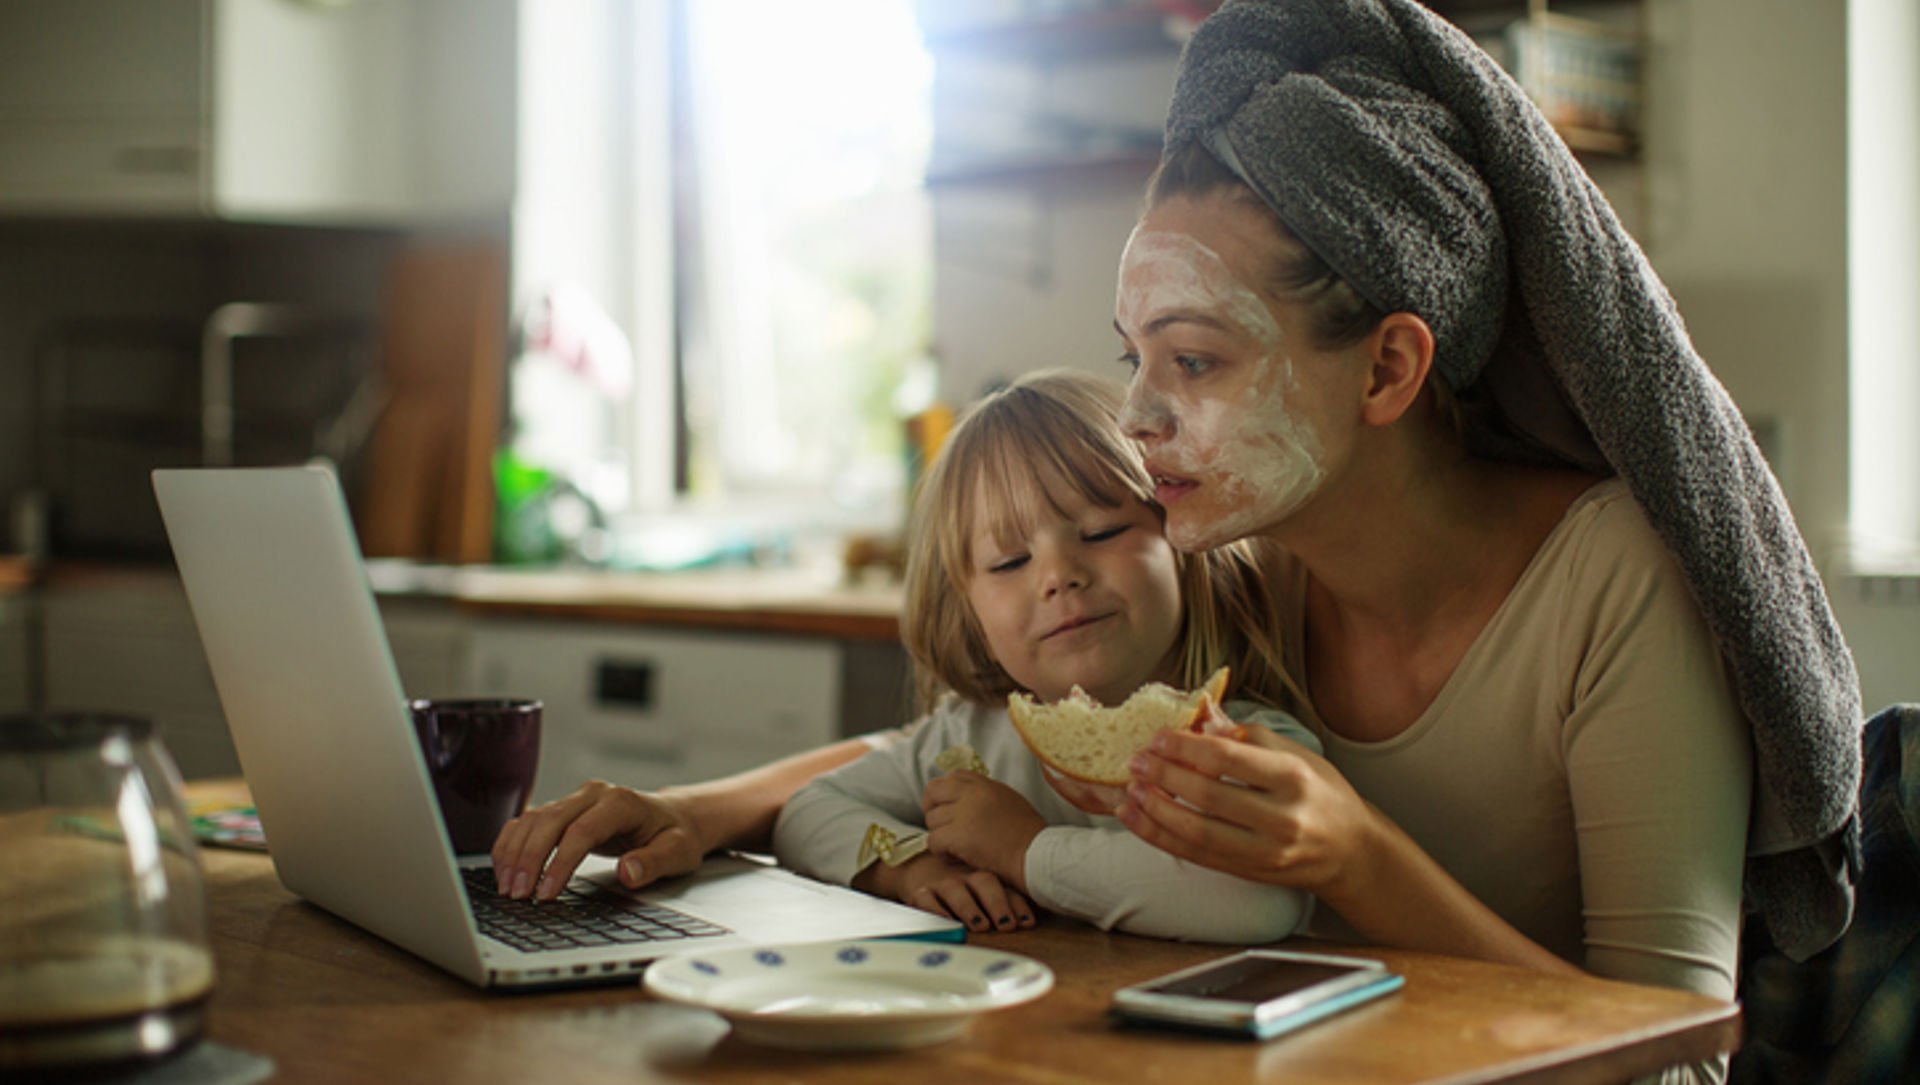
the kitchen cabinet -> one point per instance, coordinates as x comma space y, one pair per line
431, 644
258, 110
641, 703
126, 643
649, 706
124, 640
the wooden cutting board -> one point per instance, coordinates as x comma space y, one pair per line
428, 487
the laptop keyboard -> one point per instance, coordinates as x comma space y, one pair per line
583, 915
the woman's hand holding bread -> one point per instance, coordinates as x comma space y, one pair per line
1084, 748
1270, 810
1262, 807
1078, 737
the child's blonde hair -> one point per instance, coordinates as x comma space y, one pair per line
1050, 427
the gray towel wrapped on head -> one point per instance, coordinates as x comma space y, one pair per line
1412, 164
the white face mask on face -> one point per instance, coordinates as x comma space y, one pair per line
1225, 427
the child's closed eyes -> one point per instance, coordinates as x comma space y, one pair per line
1008, 562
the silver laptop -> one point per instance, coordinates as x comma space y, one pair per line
293, 637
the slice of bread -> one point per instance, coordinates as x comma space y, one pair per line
1078, 737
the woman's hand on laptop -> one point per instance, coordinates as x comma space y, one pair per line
652, 835
655, 834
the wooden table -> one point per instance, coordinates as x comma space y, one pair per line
330, 1003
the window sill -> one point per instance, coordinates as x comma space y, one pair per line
1882, 575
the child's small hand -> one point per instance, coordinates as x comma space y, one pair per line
949, 887
981, 822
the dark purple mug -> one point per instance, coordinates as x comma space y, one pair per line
481, 755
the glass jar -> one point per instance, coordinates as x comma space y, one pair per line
103, 922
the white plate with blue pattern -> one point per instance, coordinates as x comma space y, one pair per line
850, 995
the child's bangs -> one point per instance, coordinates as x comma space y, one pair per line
1030, 467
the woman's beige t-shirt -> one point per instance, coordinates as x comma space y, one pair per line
1586, 771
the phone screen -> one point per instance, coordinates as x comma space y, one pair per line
1252, 979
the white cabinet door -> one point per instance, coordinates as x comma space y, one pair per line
430, 644
128, 644
388, 111
101, 105
651, 707
262, 110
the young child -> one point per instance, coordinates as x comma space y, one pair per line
1037, 562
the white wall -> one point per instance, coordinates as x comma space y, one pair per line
1740, 199
1746, 183
1036, 291
1024, 277
1747, 175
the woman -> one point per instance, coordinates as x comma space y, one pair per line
1589, 761
1378, 314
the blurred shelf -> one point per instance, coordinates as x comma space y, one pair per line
1583, 73
1081, 171
1143, 29
1598, 141
1138, 29
1453, 9
1125, 31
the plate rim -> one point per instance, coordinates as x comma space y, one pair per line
1037, 980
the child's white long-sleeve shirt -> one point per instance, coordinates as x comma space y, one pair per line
1083, 865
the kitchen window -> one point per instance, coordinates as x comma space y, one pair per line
738, 184
1883, 280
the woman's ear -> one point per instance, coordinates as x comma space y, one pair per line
1399, 355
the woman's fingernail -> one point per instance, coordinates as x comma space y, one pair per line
1004, 922
522, 881
1139, 764
545, 890
977, 922
630, 870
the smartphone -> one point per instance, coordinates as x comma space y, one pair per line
1259, 993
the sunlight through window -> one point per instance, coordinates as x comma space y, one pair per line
725, 199
808, 279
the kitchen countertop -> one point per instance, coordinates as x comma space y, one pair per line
809, 602
805, 601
